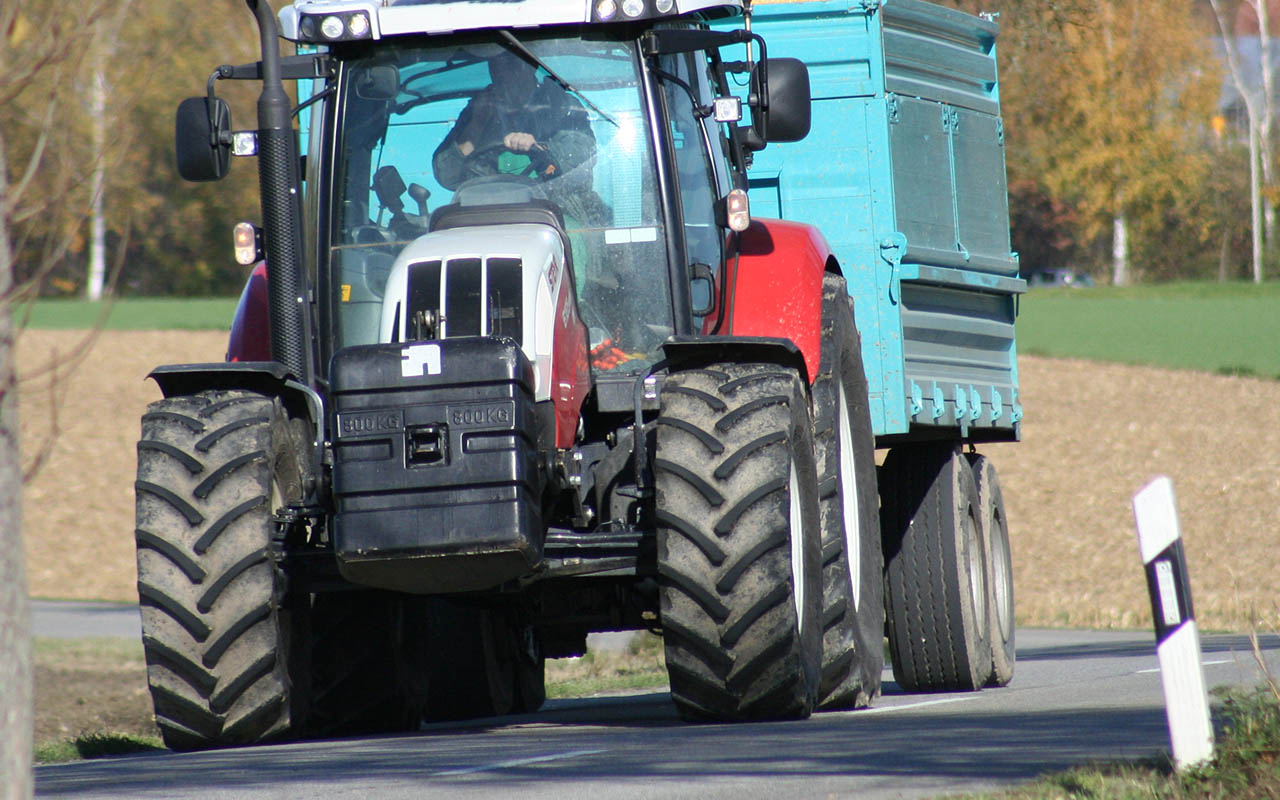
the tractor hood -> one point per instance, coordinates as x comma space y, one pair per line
482, 280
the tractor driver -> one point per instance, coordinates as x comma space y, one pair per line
515, 116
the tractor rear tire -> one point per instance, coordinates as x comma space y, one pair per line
530, 666
999, 560
369, 663
935, 574
224, 643
739, 547
852, 565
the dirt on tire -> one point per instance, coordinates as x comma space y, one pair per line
1093, 434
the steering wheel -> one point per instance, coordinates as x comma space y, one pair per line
540, 161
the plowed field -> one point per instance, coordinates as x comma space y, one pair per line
1093, 435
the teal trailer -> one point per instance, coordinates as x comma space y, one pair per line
903, 172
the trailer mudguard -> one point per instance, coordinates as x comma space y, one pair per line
775, 285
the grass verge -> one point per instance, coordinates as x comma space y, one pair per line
130, 314
95, 745
639, 666
1209, 327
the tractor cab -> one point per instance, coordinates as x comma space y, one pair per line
495, 226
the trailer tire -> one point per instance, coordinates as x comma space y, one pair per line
739, 549
368, 663
224, 641
935, 575
852, 565
999, 562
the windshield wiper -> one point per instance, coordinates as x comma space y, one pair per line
568, 87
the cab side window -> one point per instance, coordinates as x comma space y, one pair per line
699, 181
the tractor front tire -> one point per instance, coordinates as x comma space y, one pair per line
225, 645
739, 548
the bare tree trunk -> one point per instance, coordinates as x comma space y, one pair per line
97, 218
15, 615
1119, 251
1258, 109
1266, 147
1224, 254
1255, 204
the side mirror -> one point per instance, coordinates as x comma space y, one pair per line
785, 116
702, 290
203, 138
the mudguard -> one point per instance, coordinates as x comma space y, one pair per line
775, 290
250, 338
270, 378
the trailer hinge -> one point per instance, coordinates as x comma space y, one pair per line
891, 106
866, 6
892, 248
950, 119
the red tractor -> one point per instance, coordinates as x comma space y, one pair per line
517, 366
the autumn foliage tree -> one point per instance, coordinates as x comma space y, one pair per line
1111, 153
1113, 119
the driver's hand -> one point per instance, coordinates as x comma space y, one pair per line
518, 142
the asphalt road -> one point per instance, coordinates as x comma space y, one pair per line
57, 619
1076, 696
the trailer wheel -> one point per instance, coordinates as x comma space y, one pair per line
935, 576
224, 642
369, 663
852, 571
999, 563
739, 549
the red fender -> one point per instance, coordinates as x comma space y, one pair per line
776, 288
251, 327
570, 372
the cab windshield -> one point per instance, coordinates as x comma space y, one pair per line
473, 123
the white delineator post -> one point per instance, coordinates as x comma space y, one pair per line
1177, 638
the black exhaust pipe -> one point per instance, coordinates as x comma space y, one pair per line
281, 208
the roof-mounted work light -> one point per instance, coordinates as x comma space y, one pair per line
341, 26
608, 10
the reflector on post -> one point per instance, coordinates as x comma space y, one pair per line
1177, 638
